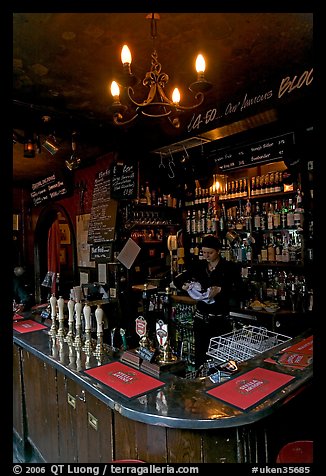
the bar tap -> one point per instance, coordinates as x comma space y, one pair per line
53, 304
61, 303
87, 317
78, 339
99, 351
70, 333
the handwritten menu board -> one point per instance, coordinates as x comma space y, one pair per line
267, 150
124, 181
49, 188
103, 212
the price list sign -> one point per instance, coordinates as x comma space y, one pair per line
124, 181
48, 188
267, 150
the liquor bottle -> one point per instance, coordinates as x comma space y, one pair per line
284, 212
290, 215
222, 223
203, 221
262, 185
257, 217
263, 251
270, 214
277, 186
148, 194
271, 182
142, 196
263, 217
188, 221
271, 250
298, 212
208, 226
193, 222
277, 215
258, 185
253, 191
244, 187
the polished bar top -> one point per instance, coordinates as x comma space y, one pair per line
181, 402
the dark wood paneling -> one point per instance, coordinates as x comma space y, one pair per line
125, 445
17, 401
41, 406
100, 448
220, 446
151, 443
184, 446
67, 423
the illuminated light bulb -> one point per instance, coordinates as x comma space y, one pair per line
200, 64
176, 96
125, 55
115, 90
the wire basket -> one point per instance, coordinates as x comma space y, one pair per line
243, 344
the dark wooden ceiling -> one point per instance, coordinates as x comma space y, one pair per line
64, 62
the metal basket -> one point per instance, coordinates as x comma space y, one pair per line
243, 344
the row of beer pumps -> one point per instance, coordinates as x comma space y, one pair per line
78, 336
79, 318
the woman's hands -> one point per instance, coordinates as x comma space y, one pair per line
214, 290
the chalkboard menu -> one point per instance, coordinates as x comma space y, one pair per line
124, 181
267, 150
103, 212
49, 188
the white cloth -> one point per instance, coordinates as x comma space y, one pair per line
194, 290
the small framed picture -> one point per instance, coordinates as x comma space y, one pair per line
64, 234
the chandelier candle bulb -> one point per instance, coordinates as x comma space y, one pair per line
125, 55
176, 96
115, 91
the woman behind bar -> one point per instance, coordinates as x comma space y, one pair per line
212, 282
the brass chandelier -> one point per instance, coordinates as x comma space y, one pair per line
157, 104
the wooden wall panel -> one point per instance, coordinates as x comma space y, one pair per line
184, 446
220, 446
68, 433
17, 401
99, 441
41, 406
125, 446
151, 443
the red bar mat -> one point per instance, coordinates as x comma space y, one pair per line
294, 359
305, 346
17, 317
124, 379
250, 388
28, 326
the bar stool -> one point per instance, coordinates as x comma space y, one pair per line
296, 452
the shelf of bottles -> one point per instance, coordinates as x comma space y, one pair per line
258, 222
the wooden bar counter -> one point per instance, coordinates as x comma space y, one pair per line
68, 417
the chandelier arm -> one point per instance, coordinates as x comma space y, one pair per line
163, 114
199, 96
147, 101
118, 119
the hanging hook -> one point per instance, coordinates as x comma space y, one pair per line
161, 163
171, 163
